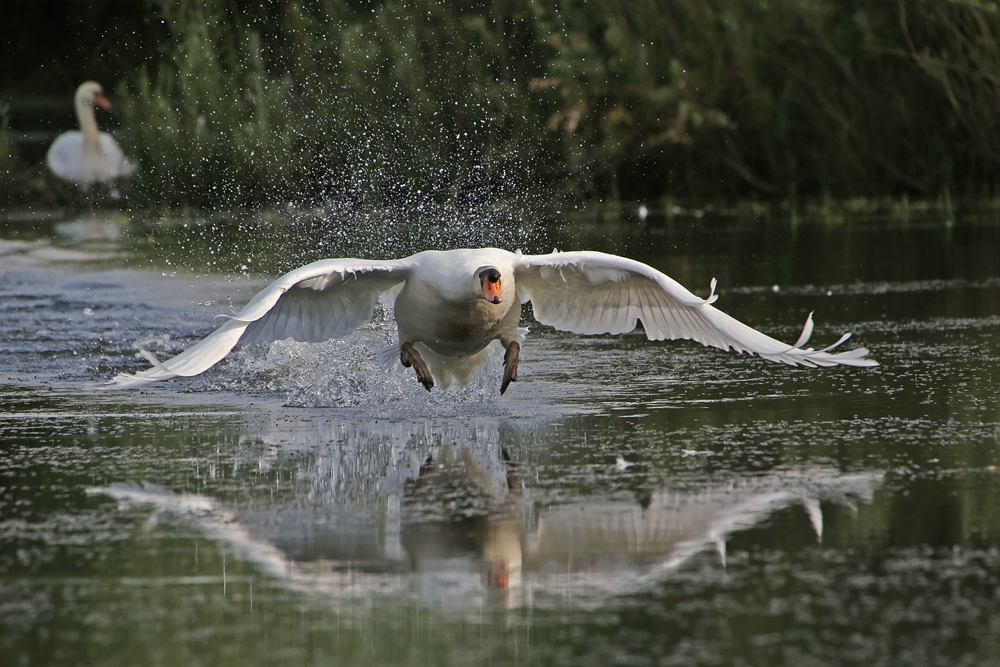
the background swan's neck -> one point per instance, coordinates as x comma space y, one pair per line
88, 123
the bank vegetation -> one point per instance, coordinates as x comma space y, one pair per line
235, 102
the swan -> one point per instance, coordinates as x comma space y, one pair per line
86, 156
450, 306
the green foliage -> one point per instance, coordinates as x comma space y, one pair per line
209, 126
625, 90
957, 45
312, 98
781, 98
252, 102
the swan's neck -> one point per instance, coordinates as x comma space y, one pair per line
88, 123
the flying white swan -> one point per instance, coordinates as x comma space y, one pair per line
450, 306
86, 156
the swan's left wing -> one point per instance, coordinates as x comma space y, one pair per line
326, 299
116, 164
594, 292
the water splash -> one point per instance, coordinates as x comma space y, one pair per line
395, 186
353, 372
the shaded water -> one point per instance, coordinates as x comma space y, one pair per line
624, 502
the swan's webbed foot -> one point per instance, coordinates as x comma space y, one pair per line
510, 359
408, 356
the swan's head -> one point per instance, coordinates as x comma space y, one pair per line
90, 93
489, 282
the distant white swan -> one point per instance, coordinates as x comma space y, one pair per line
450, 306
86, 156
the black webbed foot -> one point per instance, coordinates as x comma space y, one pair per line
408, 356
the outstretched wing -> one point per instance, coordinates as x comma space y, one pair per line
326, 299
593, 292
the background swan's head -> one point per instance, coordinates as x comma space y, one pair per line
90, 93
489, 282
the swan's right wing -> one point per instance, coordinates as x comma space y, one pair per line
115, 164
594, 292
326, 299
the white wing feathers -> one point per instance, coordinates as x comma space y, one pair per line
582, 292
70, 159
326, 299
593, 292
315, 308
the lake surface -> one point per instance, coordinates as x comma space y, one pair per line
626, 501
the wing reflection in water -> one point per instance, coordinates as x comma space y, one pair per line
437, 510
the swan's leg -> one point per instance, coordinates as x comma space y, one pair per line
514, 485
408, 356
510, 359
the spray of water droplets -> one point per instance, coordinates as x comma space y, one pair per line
386, 177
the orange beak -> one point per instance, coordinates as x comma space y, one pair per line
491, 288
102, 101
498, 575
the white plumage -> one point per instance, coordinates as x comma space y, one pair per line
450, 306
86, 156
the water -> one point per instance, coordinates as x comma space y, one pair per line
625, 501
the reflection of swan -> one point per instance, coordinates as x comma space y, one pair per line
86, 156
591, 544
451, 306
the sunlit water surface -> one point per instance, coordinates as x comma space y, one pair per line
625, 502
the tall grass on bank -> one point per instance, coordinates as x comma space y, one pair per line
254, 102
207, 123
781, 99
306, 100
